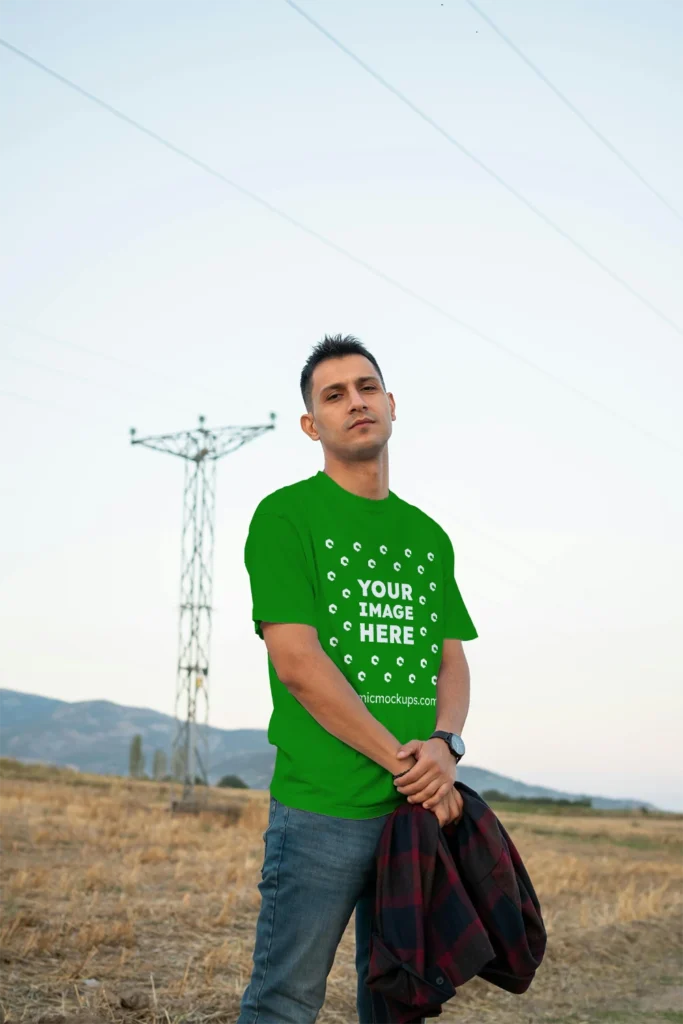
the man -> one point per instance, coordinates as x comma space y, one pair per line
354, 595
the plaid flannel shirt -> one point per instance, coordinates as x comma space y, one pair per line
450, 904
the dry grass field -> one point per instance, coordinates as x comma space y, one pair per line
114, 910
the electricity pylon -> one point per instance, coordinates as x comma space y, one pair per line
201, 449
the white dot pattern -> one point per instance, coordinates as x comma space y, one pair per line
417, 661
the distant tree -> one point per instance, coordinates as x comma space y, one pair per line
233, 782
199, 781
495, 796
136, 759
159, 765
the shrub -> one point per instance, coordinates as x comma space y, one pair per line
233, 782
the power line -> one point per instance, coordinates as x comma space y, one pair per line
41, 366
344, 252
106, 355
73, 376
575, 110
501, 543
493, 174
37, 401
495, 572
337, 249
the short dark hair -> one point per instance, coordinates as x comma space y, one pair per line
331, 347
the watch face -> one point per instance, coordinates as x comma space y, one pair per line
457, 744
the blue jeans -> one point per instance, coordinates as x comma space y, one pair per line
316, 870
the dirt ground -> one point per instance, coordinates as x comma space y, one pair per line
114, 910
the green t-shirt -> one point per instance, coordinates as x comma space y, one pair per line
376, 580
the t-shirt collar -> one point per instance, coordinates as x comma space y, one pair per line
354, 503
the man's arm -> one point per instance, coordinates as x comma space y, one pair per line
436, 765
316, 682
452, 688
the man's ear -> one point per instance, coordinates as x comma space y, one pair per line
308, 426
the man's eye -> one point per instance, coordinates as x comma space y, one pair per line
335, 395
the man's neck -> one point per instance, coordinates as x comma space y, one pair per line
366, 479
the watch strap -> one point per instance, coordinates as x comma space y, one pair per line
441, 734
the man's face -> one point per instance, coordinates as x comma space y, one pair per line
346, 390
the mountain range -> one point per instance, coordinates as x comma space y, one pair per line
95, 735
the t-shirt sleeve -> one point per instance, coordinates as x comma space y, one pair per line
457, 622
279, 575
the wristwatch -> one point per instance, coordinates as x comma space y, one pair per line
456, 744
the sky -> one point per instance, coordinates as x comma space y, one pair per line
139, 290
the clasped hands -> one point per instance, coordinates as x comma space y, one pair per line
430, 781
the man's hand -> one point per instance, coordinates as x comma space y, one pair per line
432, 778
449, 809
